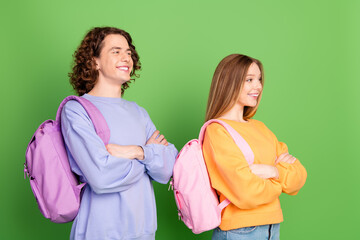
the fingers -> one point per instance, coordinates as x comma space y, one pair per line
162, 140
279, 158
290, 159
152, 139
109, 149
154, 135
285, 157
293, 160
114, 149
157, 139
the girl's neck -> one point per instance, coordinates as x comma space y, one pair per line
236, 113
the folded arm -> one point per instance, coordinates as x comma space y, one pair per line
231, 174
102, 171
292, 174
159, 155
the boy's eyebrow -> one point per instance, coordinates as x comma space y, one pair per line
113, 48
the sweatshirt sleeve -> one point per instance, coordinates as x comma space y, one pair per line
230, 173
292, 177
158, 159
102, 171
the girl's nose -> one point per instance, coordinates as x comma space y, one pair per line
258, 85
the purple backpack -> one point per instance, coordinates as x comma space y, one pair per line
56, 188
197, 202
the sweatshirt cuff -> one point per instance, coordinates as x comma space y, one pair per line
148, 154
283, 168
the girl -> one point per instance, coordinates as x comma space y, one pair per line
118, 200
254, 211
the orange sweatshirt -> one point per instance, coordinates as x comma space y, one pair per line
254, 201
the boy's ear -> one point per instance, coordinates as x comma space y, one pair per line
96, 61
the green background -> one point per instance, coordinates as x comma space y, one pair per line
310, 51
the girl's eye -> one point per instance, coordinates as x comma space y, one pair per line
249, 80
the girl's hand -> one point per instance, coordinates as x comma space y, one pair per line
285, 157
264, 171
155, 139
126, 151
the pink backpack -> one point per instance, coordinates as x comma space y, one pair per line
197, 202
55, 186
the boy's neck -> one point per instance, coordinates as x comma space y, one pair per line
105, 90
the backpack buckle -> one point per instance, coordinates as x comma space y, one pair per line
171, 184
26, 171
179, 214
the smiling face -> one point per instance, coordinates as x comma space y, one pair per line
252, 87
114, 63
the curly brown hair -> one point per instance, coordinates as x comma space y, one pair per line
84, 73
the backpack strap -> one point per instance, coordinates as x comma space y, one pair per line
240, 142
98, 120
238, 139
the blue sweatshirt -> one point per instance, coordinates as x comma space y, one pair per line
118, 200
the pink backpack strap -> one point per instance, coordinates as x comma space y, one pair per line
223, 204
240, 142
238, 139
98, 120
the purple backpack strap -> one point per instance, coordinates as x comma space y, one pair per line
95, 115
240, 142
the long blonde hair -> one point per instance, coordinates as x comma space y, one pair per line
226, 84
